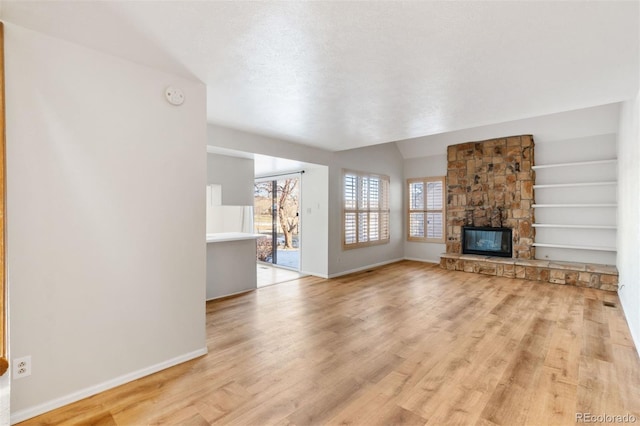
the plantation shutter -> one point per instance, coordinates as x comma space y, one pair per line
366, 209
426, 209
350, 203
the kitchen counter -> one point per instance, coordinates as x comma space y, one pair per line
221, 237
231, 263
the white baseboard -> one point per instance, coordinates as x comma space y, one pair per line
28, 413
339, 274
315, 274
415, 259
628, 314
364, 268
232, 294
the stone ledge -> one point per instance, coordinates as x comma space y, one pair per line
603, 277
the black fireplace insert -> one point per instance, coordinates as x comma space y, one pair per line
486, 241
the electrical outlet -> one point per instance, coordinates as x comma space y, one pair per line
22, 367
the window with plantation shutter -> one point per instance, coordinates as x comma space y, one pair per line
426, 210
366, 209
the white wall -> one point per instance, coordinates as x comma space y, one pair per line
629, 214
314, 221
236, 177
382, 159
434, 165
106, 219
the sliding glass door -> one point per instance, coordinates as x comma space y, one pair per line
276, 216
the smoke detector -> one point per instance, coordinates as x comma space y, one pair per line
174, 96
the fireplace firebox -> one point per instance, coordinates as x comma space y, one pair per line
487, 241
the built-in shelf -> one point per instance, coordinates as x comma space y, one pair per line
580, 163
566, 246
572, 205
553, 225
576, 201
569, 185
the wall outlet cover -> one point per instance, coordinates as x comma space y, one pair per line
21, 367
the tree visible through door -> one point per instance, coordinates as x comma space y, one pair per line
276, 207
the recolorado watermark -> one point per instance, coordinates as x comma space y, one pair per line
605, 418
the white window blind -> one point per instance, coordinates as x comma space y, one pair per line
366, 209
426, 210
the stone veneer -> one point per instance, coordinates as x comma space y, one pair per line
490, 183
603, 277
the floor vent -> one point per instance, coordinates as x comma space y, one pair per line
609, 304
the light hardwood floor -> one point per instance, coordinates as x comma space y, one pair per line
269, 275
408, 343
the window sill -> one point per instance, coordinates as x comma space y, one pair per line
426, 240
367, 244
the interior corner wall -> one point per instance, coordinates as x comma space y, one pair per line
431, 166
383, 159
106, 219
629, 214
236, 177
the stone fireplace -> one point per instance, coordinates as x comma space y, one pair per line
490, 184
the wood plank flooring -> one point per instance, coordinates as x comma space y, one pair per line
404, 344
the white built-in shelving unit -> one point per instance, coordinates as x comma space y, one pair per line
576, 199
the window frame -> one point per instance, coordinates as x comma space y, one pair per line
425, 210
381, 210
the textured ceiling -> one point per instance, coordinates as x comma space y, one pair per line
340, 75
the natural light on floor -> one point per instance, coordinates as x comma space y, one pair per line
268, 275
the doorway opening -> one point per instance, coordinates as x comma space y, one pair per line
277, 218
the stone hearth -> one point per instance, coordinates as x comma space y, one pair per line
603, 277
